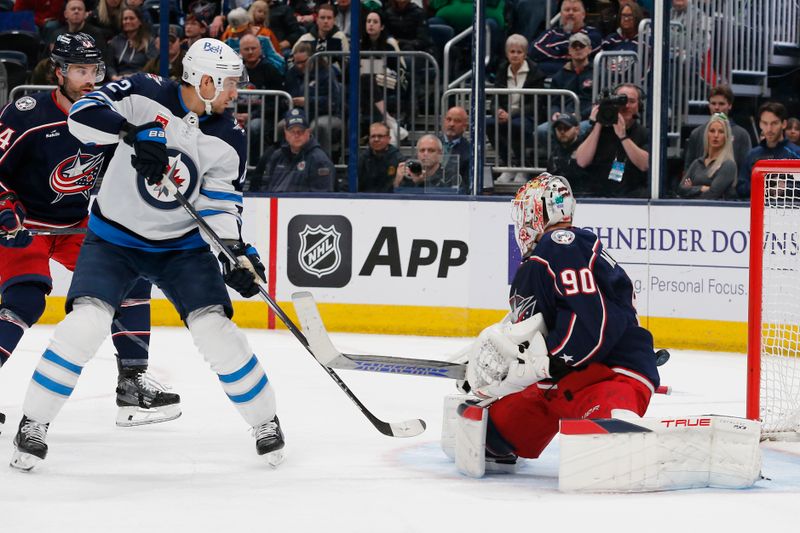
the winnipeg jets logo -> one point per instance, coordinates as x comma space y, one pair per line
319, 253
76, 175
185, 177
521, 307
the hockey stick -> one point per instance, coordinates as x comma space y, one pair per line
408, 428
56, 231
310, 319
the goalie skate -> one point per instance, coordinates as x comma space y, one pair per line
269, 441
143, 400
29, 443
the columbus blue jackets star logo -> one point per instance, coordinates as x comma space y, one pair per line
76, 175
521, 307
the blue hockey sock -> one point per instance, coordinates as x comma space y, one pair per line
132, 342
23, 305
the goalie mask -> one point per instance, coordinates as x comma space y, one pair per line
210, 57
544, 201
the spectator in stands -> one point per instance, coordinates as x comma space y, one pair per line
304, 11
299, 165
514, 114
720, 100
431, 173
617, 156
325, 95
342, 18
131, 49
377, 165
562, 161
408, 23
75, 17
551, 49
46, 13
381, 77
457, 148
175, 55
325, 35
259, 17
261, 74
284, 25
792, 131
107, 16
626, 38
773, 145
458, 15
139, 4
528, 16
576, 75
713, 175
195, 28
239, 24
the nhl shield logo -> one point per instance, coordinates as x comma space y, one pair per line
319, 253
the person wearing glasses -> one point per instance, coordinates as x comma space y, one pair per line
626, 38
377, 165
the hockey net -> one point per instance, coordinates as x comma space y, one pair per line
773, 381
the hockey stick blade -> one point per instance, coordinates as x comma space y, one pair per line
408, 428
314, 329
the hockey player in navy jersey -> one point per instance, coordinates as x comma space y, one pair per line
46, 176
137, 229
572, 347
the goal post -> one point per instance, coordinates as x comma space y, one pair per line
773, 343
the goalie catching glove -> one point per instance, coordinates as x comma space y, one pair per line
149, 144
12, 214
507, 358
245, 276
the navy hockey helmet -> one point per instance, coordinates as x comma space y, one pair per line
78, 49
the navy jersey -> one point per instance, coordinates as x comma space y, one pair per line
212, 153
586, 300
49, 169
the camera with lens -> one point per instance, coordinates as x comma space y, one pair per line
414, 166
609, 106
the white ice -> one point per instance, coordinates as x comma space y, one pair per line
201, 473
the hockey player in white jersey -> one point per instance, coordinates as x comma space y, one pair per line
137, 229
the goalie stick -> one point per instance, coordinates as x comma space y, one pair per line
326, 353
407, 428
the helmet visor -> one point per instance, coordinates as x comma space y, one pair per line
78, 72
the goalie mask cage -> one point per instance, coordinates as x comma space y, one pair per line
773, 344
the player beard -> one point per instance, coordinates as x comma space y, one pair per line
74, 94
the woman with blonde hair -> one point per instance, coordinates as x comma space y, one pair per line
108, 17
712, 176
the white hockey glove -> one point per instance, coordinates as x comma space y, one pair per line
500, 363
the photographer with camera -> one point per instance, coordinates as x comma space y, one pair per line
616, 150
427, 171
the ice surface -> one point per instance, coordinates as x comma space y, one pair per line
201, 473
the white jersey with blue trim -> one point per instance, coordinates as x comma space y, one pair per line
210, 172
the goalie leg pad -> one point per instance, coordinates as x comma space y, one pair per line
226, 349
450, 420
653, 454
471, 440
75, 341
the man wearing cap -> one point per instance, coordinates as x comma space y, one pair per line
562, 154
300, 164
550, 49
175, 55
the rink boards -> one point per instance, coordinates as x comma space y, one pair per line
443, 267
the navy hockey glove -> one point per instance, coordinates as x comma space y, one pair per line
12, 233
243, 277
150, 146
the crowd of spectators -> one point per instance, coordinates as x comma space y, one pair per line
277, 39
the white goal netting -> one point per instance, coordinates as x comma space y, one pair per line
780, 306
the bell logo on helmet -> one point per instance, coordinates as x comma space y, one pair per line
211, 47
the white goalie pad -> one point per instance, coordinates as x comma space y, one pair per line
450, 419
654, 454
471, 441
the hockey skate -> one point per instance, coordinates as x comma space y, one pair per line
269, 441
30, 444
143, 400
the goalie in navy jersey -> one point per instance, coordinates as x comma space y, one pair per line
46, 176
572, 346
138, 229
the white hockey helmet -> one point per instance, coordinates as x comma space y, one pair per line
542, 202
214, 58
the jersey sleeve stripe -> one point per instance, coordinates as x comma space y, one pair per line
541, 261
217, 195
212, 212
594, 253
